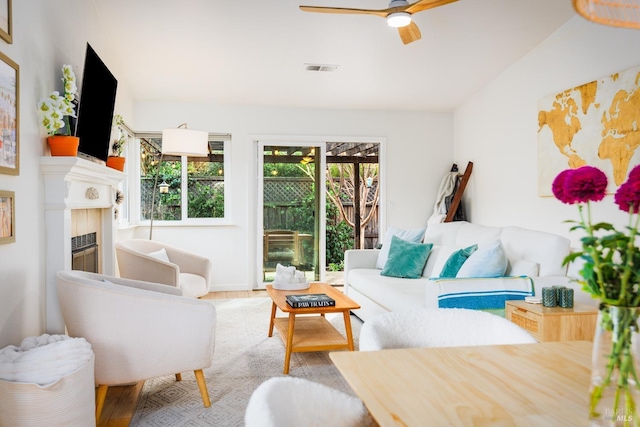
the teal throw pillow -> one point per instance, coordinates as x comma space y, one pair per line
408, 235
488, 261
406, 259
455, 261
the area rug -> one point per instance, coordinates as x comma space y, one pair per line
244, 357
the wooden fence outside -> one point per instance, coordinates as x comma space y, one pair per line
283, 195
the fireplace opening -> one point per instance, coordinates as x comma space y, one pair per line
84, 253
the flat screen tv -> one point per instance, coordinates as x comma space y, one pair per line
95, 111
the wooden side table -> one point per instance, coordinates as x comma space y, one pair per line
553, 323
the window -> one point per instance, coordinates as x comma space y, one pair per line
123, 196
189, 190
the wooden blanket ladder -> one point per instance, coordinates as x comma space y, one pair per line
459, 191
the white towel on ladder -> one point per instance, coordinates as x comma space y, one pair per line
447, 186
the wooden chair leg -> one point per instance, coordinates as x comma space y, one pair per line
101, 395
202, 385
178, 377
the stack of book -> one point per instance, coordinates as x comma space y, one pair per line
310, 301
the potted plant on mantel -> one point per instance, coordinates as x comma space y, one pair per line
115, 159
55, 111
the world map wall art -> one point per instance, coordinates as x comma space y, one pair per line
594, 124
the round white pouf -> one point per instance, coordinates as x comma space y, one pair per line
47, 381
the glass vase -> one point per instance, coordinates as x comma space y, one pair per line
614, 389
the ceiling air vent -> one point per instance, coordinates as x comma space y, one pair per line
320, 67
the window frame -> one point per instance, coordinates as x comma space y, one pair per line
126, 186
225, 138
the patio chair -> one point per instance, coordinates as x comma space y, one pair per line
282, 246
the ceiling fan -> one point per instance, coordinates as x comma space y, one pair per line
398, 14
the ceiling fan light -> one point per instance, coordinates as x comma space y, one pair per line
399, 19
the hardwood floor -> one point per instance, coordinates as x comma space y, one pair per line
121, 401
120, 405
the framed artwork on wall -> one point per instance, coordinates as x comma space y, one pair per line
9, 116
6, 24
593, 124
7, 217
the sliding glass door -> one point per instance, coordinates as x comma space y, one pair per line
292, 206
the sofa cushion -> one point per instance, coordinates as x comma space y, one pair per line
545, 249
489, 260
406, 259
391, 293
523, 267
470, 234
408, 235
455, 261
461, 234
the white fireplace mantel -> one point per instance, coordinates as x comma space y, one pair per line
74, 183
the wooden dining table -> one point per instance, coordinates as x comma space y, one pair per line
544, 384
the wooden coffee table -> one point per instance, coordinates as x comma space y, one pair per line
311, 333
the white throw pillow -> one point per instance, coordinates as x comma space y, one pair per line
489, 260
161, 255
408, 235
523, 267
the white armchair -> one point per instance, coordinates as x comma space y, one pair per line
138, 330
182, 269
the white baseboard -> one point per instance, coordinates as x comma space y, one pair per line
230, 287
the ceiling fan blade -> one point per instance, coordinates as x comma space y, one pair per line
381, 13
410, 33
421, 5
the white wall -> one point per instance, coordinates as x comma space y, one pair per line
497, 128
418, 151
47, 34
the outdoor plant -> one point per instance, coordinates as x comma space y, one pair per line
339, 239
56, 109
336, 266
339, 234
205, 201
611, 274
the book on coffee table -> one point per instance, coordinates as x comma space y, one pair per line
310, 300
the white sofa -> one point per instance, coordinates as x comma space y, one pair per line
539, 251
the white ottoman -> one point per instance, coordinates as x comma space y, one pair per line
47, 381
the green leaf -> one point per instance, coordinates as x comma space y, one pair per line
572, 257
603, 226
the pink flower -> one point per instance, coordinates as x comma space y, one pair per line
634, 174
585, 184
628, 195
558, 187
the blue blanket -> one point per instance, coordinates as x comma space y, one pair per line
482, 293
